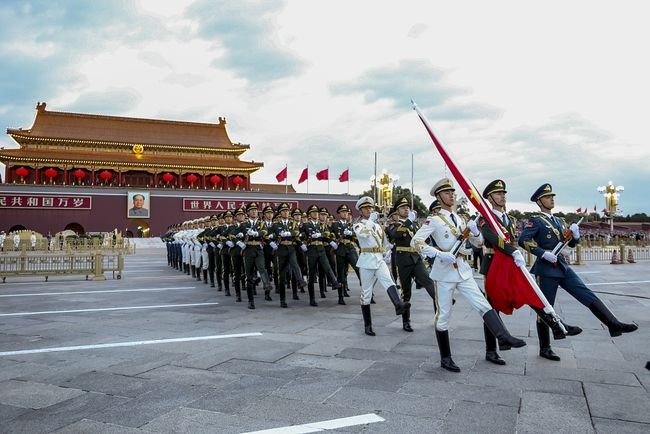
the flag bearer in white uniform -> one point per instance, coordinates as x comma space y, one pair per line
453, 273
374, 251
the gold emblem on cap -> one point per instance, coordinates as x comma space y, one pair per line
547, 187
499, 184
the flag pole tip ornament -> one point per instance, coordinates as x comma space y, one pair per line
444, 184
496, 186
543, 191
365, 202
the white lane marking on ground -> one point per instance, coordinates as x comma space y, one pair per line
323, 426
128, 344
159, 306
98, 292
587, 272
618, 283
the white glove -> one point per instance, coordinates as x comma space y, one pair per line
285, 234
240, 235
220, 246
303, 247
428, 251
387, 257
334, 245
550, 257
347, 232
471, 225
373, 216
519, 258
412, 216
316, 235
273, 245
446, 258
575, 230
241, 245
230, 243
271, 236
212, 245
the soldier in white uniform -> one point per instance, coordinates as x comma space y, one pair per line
453, 273
16, 241
374, 251
32, 240
2, 240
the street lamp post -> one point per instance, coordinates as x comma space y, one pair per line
611, 194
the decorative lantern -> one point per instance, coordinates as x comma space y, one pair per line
215, 179
105, 175
51, 173
192, 178
167, 177
237, 180
79, 174
22, 172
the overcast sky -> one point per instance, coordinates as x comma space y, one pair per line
529, 92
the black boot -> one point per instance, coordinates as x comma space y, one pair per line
295, 294
205, 277
400, 306
283, 296
372, 298
193, 269
498, 329
406, 321
251, 298
491, 354
322, 294
544, 337
446, 361
345, 290
616, 328
341, 301
367, 319
312, 298
553, 323
267, 295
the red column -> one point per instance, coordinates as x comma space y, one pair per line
155, 179
65, 176
8, 175
119, 179
203, 178
37, 175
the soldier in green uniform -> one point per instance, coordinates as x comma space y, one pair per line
313, 233
286, 233
410, 265
235, 237
296, 214
254, 233
346, 253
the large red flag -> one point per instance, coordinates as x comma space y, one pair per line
304, 175
507, 286
345, 176
323, 175
282, 175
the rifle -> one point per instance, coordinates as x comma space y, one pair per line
460, 240
568, 235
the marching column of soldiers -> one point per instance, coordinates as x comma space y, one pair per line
289, 249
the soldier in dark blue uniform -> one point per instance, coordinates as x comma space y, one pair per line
540, 236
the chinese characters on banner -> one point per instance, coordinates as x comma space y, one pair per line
16, 201
196, 204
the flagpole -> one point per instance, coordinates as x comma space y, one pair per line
411, 181
374, 190
348, 169
308, 179
328, 179
286, 179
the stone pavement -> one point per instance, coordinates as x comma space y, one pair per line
305, 365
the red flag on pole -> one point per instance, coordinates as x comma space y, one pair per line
345, 176
323, 175
520, 286
579, 210
304, 175
282, 175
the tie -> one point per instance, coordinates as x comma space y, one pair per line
504, 217
453, 219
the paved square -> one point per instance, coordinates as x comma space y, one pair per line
125, 363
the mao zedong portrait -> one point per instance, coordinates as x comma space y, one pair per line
138, 209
